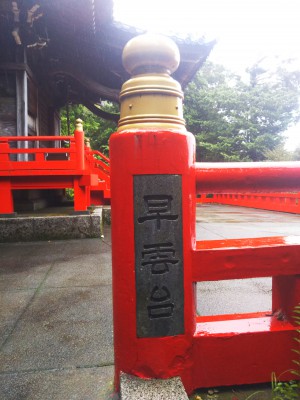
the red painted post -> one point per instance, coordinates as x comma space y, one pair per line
81, 194
4, 151
6, 198
285, 294
153, 218
79, 142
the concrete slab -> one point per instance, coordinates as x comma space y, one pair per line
18, 273
215, 231
234, 296
151, 389
81, 384
62, 328
50, 228
13, 304
77, 273
82, 270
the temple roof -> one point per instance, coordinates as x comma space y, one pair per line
74, 47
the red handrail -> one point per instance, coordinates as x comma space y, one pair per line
247, 177
284, 201
35, 138
96, 162
39, 155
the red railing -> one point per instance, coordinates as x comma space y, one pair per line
284, 202
247, 177
98, 163
152, 266
156, 260
53, 162
37, 157
268, 186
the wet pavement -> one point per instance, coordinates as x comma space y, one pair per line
56, 320
215, 222
56, 338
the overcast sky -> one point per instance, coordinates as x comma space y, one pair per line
246, 30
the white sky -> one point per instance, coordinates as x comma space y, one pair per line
246, 30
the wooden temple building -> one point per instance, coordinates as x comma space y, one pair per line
54, 52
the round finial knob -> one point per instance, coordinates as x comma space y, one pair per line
151, 52
79, 125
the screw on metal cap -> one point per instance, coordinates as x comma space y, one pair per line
79, 125
151, 98
149, 53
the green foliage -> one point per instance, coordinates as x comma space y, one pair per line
284, 390
279, 154
290, 390
233, 119
237, 121
296, 317
97, 129
69, 194
296, 154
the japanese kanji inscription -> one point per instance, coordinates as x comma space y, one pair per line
158, 255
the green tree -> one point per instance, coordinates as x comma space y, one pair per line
97, 129
237, 121
296, 154
279, 154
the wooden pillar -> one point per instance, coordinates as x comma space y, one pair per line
6, 203
22, 108
80, 197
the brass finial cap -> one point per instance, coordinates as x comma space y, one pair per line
150, 52
151, 98
79, 125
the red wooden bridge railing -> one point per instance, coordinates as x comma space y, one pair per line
269, 186
284, 202
43, 165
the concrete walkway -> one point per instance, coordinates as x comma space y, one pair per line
56, 310
56, 320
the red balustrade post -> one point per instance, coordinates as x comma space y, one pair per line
81, 194
79, 141
4, 151
6, 197
285, 295
153, 218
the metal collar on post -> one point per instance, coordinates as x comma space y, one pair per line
151, 98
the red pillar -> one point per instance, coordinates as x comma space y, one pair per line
79, 141
6, 197
149, 153
80, 196
153, 196
81, 191
285, 295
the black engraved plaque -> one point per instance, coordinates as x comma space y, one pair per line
158, 255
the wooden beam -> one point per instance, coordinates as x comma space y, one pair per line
17, 67
89, 84
22, 110
101, 113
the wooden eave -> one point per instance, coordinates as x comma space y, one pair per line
75, 48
